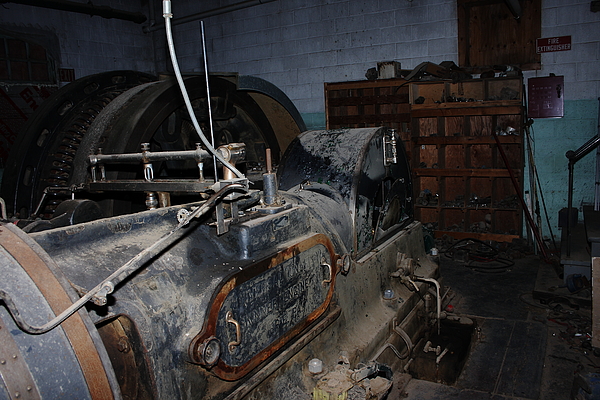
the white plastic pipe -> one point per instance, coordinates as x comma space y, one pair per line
188, 104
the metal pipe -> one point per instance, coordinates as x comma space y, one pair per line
197, 155
211, 13
569, 206
402, 333
584, 150
438, 296
597, 183
84, 8
99, 292
167, 14
3, 205
528, 216
209, 101
393, 348
439, 358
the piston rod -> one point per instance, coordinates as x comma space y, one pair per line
99, 292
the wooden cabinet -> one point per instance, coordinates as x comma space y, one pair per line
462, 186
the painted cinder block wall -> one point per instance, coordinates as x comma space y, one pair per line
88, 45
300, 44
554, 137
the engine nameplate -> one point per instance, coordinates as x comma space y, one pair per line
261, 308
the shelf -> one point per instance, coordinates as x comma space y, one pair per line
360, 104
442, 93
455, 157
464, 172
460, 109
467, 140
497, 237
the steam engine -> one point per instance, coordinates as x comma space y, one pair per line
225, 286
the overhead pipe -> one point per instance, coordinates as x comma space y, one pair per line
211, 13
84, 8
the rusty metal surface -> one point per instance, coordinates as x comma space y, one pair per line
14, 371
15, 242
355, 164
128, 358
229, 368
313, 331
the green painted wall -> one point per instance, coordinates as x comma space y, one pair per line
314, 121
552, 139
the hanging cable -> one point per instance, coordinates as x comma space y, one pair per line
481, 257
168, 15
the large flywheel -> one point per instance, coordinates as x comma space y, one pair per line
245, 110
43, 154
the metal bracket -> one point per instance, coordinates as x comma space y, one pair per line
390, 152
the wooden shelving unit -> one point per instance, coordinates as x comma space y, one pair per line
361, 104
462, 186
448, 136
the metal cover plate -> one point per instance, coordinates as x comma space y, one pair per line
266, 305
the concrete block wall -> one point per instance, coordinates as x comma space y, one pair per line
300, 44
88, 45
554, 137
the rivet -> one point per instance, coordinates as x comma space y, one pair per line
2, 362
17, 395
14, 356
29, 388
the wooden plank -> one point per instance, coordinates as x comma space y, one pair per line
395, 82
368, 120
430, 92
459, 172
480, 156
480, 45
454, 126
400, 100
480, 236
454, 156
466, 140
506, 107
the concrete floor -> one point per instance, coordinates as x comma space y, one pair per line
522, 349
